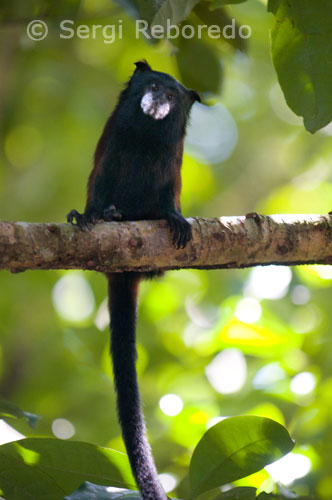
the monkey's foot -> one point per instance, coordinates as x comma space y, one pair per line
111, 213
82, 220
181, 229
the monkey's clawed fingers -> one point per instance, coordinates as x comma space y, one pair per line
81, 219
180, 228
85, 221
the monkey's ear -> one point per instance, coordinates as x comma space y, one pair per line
194, 96
142, 66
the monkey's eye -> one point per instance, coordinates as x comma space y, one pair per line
154, 87
170, 97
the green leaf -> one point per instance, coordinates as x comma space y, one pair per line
139, 9
284, 494
291, 496
42, 468
46, 9
240, 493
220, 18
236, 448
90, 491
199, 66
174, 10
270, 496
220, 3
273, 5
9, 409
302, 56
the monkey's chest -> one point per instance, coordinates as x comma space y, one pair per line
139, 191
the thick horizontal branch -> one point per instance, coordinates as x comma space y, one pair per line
225, 242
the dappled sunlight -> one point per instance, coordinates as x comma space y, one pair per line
314, 276
300, 295
303, 383
269, 282
312, 177
268, 375
168, 481
73, 298
324, 272
196, 336
102, 318
213, 421
240, 98
305, 319
280, 107
212, 133
114, 489
268, 410
292, 199
200, 318
8, 433
289, 468
227, 372
171, 404
30, 457
248, 310
242, 334
63, 428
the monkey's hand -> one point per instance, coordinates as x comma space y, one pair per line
181, 229
82, 220
111, 213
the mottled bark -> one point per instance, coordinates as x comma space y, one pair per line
225, 242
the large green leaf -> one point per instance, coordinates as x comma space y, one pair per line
9, 409
272, 5
199, 66
240, 493
220, 18
41, 468
234, 448
302, 56
139, 9
221, 3
174, 10
90, 491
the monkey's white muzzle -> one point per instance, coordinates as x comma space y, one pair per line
154, 107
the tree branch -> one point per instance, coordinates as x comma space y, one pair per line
225, 242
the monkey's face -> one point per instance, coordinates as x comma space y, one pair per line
160, 94
158, 101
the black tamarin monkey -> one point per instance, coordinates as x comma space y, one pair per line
136, 175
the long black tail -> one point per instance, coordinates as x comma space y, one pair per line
123, 290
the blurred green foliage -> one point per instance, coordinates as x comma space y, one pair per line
55, 96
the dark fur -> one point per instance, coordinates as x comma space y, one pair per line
136, 175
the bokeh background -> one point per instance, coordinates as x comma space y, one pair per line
211, 343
